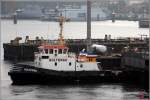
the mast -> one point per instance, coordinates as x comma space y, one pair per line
61, 22
88, 25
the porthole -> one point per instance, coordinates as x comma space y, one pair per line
55, 63
81, 65
69, 63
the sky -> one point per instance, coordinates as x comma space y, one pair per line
66, 0
45, 0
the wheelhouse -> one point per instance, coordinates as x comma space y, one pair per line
53, 49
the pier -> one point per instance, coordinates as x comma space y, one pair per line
25, 51
144, 23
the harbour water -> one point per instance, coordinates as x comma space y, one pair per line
103, 91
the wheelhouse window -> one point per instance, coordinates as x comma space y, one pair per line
60, 51
41, 51
46, 51
55, 51
50, 51
64, 51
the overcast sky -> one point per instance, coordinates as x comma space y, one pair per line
51, 0
45, 0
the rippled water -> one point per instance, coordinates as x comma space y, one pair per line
67, 92
74, 92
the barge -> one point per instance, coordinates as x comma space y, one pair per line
25, 51
136, 67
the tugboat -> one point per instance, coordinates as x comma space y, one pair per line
53, 64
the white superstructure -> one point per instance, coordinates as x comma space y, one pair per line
57, 57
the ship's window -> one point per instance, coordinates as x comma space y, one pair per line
69, 63
45, 57
90, 59
55, 51
50, 51
60, 51
41, 51
46, 51
81, 65
65, 51
55, 63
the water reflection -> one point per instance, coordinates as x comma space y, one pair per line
20, 90
71, 92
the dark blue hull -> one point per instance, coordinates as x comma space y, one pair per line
22, 74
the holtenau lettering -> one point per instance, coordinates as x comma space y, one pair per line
57, 59
30, 70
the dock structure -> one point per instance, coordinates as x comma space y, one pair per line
135, 66
138, 60
25, 51
15, 18
144, 23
